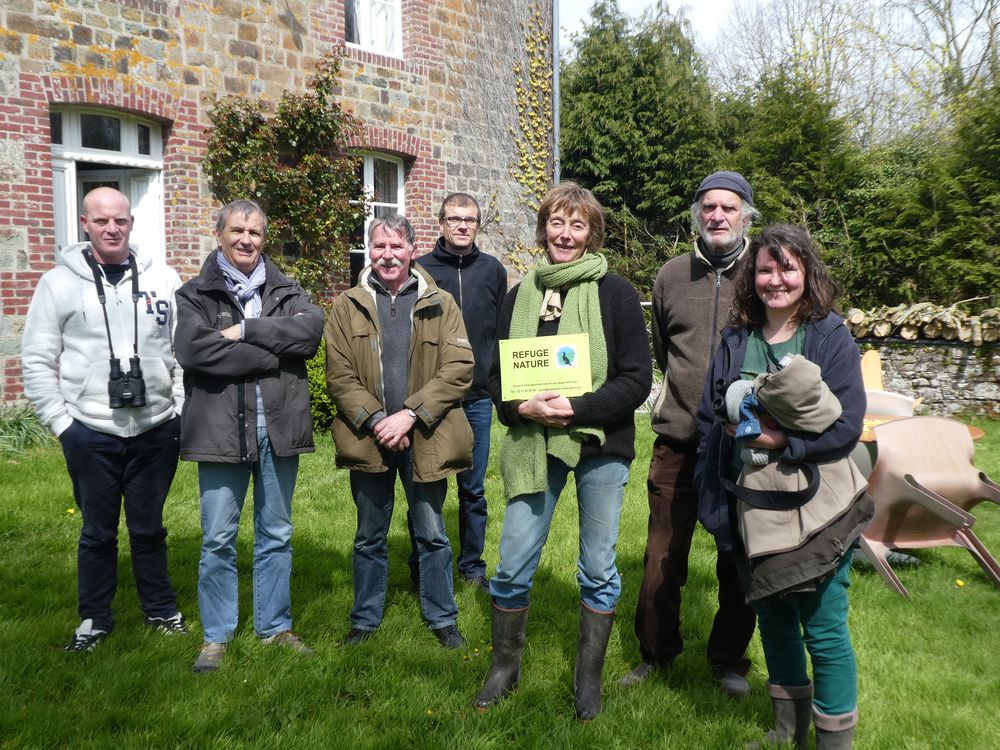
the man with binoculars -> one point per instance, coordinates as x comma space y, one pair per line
117, 421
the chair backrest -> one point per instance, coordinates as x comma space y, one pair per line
894, 404
915, 456
871, 370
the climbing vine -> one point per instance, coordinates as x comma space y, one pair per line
533, 95
296, 165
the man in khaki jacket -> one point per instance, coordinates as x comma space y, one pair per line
398, 364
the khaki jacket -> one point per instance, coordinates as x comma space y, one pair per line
798, 399
439, 372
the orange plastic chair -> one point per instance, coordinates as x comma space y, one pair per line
924, 485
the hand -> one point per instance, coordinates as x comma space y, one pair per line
770, 438
548, 408
232, 333
393, 431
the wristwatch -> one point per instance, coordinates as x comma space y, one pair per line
412, 414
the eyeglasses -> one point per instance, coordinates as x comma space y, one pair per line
454, 221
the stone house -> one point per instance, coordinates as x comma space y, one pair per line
98, 92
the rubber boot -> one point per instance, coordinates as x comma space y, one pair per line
834, 732
508, 626
595, 630
792, 717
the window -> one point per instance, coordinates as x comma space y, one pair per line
382, 177
374, 25
93, 147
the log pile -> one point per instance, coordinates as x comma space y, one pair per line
926, 320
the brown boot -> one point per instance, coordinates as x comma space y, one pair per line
595, 630
508, 627
792, 717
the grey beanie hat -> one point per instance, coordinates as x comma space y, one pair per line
732, 181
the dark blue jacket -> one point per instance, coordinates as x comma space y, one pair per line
829, 344
478, 282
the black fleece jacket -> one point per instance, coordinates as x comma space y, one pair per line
478, 282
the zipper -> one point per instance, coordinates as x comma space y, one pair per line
461, 305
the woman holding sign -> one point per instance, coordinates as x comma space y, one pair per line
588, 430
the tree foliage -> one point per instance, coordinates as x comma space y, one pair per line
637, 124
910, 215
296, 165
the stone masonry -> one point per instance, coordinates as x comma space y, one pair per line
447, 107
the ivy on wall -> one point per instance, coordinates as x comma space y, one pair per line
296, 165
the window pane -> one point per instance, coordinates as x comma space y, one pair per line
381, 211
351, 21
100, 131
386, 181
383, 25
55, 126
143, 132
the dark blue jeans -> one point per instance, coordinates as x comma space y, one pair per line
104, 470
472, 515
374, 496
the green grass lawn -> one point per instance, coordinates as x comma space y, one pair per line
928, 665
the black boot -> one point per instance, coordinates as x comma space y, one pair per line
835, 732
792, 717
595, 630
508, 647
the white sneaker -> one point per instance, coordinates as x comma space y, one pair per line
85, 637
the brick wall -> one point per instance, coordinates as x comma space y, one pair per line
447, 107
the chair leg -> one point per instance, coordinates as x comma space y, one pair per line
875, 552
986, 561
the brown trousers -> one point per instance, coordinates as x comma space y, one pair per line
673, 515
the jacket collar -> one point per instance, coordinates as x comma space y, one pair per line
210, 276
700, 255
452, 259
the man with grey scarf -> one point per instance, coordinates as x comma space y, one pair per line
245, 331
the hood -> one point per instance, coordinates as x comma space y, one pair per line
72, 257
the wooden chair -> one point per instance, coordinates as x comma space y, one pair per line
924, 486
871, 370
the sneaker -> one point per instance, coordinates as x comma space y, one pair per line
174, 625
209, 658
355, 636
85, 638
449, 637
642, 672
732, 684
289, 640
480, 582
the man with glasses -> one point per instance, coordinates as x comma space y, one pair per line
478, 282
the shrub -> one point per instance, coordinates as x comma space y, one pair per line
322, 408
21, 430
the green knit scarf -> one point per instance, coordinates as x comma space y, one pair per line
523, 460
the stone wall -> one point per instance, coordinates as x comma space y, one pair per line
951, 377
447, 107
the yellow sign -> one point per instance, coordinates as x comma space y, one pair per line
545, 363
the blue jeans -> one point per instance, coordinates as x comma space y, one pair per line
374, 496
471, 497
817, 621
600, 487
107, 472
223, 490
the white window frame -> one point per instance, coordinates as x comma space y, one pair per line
374, 34
368, 177
139, 175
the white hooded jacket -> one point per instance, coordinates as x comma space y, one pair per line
64, 350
